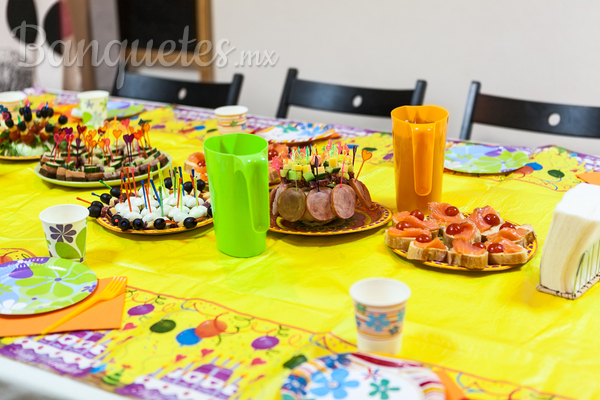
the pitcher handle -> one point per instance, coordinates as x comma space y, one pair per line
253, 168
423, 136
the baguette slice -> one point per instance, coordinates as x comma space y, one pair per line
475, 262
425, 254
509, 259
448, 239
397, 242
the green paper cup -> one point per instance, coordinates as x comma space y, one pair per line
94, 107
65, 227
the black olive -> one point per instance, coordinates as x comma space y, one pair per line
50, 112
189, 222
63, 119
105, 197
209, 211
49, 128
116, 219
21, 110
160, 223
28, 117
124, 224
200, 185
188, 187
168, 183
38, 114
97, 204
95, 211
43, 113
138, 224
9, 123
115, 192
22, 126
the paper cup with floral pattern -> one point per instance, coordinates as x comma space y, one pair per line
65, 227
93, 105
379, 305
231, 119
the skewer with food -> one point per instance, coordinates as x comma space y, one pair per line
475, 241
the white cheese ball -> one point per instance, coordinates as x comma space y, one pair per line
172, 201
191, 202
179, 216
150, 217
121, 207
131, 215
198, 212
145, 212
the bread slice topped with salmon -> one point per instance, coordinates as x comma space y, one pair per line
486, 219
523, 235
416, 219
445, 214
466, 231
503, 251
400, 239
424, 248
471, 256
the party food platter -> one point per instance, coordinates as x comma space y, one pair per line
484, 159
43, 284
362, 376
480, 241
164, 208
363, 219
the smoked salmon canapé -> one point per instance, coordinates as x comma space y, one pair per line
416, 219
445, 214
468, 255
522, 235
486, 219
466, 231
423, 248
400, 239
503, 251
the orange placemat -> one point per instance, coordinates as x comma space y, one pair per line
104, 315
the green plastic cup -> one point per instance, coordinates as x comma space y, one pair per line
238, 180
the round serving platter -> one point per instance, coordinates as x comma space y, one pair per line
362, 220
93, 184
30, 158
105, 222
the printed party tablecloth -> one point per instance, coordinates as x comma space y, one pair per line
199, 324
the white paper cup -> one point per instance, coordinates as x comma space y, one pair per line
93, 106
379, 305
231, 119
12, 100
65, 227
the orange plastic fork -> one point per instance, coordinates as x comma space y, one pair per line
114, 288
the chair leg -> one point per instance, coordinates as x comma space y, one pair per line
467, 124
419, 93
284, 103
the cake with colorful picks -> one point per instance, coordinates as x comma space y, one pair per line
317, 188
89, 155
29, 133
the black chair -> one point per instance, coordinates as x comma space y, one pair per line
558, 119
208, 95
345, 99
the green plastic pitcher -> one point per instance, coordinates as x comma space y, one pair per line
238, 180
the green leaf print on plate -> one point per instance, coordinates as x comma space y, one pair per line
506, 160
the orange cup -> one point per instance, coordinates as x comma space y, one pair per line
419, 134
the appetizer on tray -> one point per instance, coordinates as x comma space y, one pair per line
450, 238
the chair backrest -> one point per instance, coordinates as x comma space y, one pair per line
558, 119
345, 99
209, 95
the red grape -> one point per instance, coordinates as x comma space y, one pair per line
418, 214
496, 248
492, 219
272, 153
453, 229
423, 239
452, 211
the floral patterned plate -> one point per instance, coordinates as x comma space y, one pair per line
298, 133
362, 376
42, 284
484, 159
362, 220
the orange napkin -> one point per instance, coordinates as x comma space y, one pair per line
590, 177
453, 391
104, 315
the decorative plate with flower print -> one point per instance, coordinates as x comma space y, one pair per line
484, 159
362, 376
42, 284
296, 133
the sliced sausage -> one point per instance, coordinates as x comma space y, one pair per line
318, 204
362, 192
276, 193
291, 204
343, 201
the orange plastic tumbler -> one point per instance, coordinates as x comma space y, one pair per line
419, 147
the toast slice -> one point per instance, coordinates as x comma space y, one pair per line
508, 259
476, 237
474, 262
397, 242
425, 254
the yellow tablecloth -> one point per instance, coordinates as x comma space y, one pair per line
494, 333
